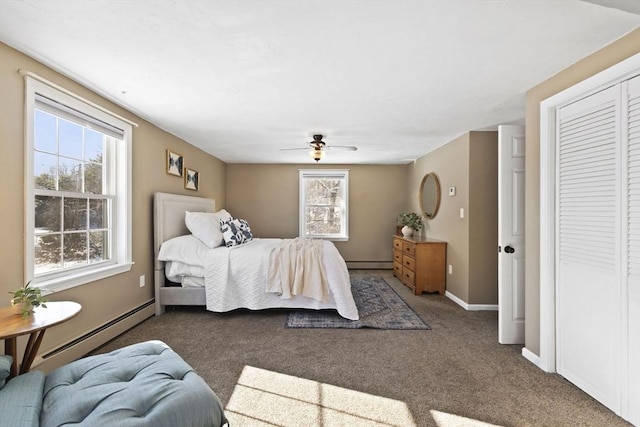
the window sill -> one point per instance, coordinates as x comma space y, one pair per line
330, 238
71, 281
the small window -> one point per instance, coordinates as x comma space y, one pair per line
324, 204
78, 187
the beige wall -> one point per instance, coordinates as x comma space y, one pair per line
267, 197
450, 163
585, 68
468, 163
483, 218
106, 299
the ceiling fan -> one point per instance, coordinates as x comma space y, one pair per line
318, 147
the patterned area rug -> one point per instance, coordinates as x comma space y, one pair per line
379, 306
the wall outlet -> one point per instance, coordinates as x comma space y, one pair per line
450, 269
452, 191
142, 283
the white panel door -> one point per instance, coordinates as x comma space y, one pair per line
511, 174
588, 288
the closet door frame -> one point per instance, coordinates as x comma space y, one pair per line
548, 226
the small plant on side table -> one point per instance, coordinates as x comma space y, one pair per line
26, 299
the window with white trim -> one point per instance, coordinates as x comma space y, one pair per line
324, 204
78, 185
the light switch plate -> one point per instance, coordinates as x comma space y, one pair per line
461, 212
452, 191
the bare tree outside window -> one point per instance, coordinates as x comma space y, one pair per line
71, 214
323, 212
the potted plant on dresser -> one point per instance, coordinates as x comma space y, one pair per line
410, 222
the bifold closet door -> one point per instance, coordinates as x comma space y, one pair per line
588, 250
631, 399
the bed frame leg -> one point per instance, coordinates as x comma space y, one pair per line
159, 309
158, 282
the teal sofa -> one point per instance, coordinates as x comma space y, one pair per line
145, 384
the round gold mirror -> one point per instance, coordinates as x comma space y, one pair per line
430, 195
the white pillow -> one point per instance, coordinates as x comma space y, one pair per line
185, 249
206, 226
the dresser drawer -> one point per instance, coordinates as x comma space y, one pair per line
397, 269
409, 276
409, 262
409, 248
397, 244
397, 257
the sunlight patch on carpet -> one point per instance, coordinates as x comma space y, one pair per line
267, 398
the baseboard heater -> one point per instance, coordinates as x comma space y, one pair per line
97, 330
84, 344
369, 265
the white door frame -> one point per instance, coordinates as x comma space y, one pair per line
548, 108
548, 226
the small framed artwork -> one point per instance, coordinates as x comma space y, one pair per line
174, 163
190, 179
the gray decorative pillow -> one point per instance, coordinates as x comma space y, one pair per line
235, 232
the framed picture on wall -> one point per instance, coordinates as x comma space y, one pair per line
174, 163
190, 179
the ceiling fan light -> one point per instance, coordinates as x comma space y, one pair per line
316, 154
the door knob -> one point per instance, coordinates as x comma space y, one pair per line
509, 249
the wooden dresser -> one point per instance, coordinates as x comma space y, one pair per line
419, 263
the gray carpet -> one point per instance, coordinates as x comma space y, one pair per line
379, 307
456, 370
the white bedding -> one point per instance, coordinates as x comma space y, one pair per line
176, 271
243, 285
295, 268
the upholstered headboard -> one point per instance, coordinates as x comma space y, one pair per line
168, 217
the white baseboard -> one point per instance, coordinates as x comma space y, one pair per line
531, 357
471, 307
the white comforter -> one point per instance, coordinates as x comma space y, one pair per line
236, 277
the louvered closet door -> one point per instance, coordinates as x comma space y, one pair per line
632, 173
588, 288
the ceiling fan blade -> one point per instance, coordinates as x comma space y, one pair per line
341, 147
293, 149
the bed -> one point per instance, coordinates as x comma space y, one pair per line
234, 277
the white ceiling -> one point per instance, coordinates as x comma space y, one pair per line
244, 79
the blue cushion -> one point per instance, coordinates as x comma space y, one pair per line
145, 384
5, 368
21, 400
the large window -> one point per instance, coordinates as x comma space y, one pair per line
78, 180
324, 204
